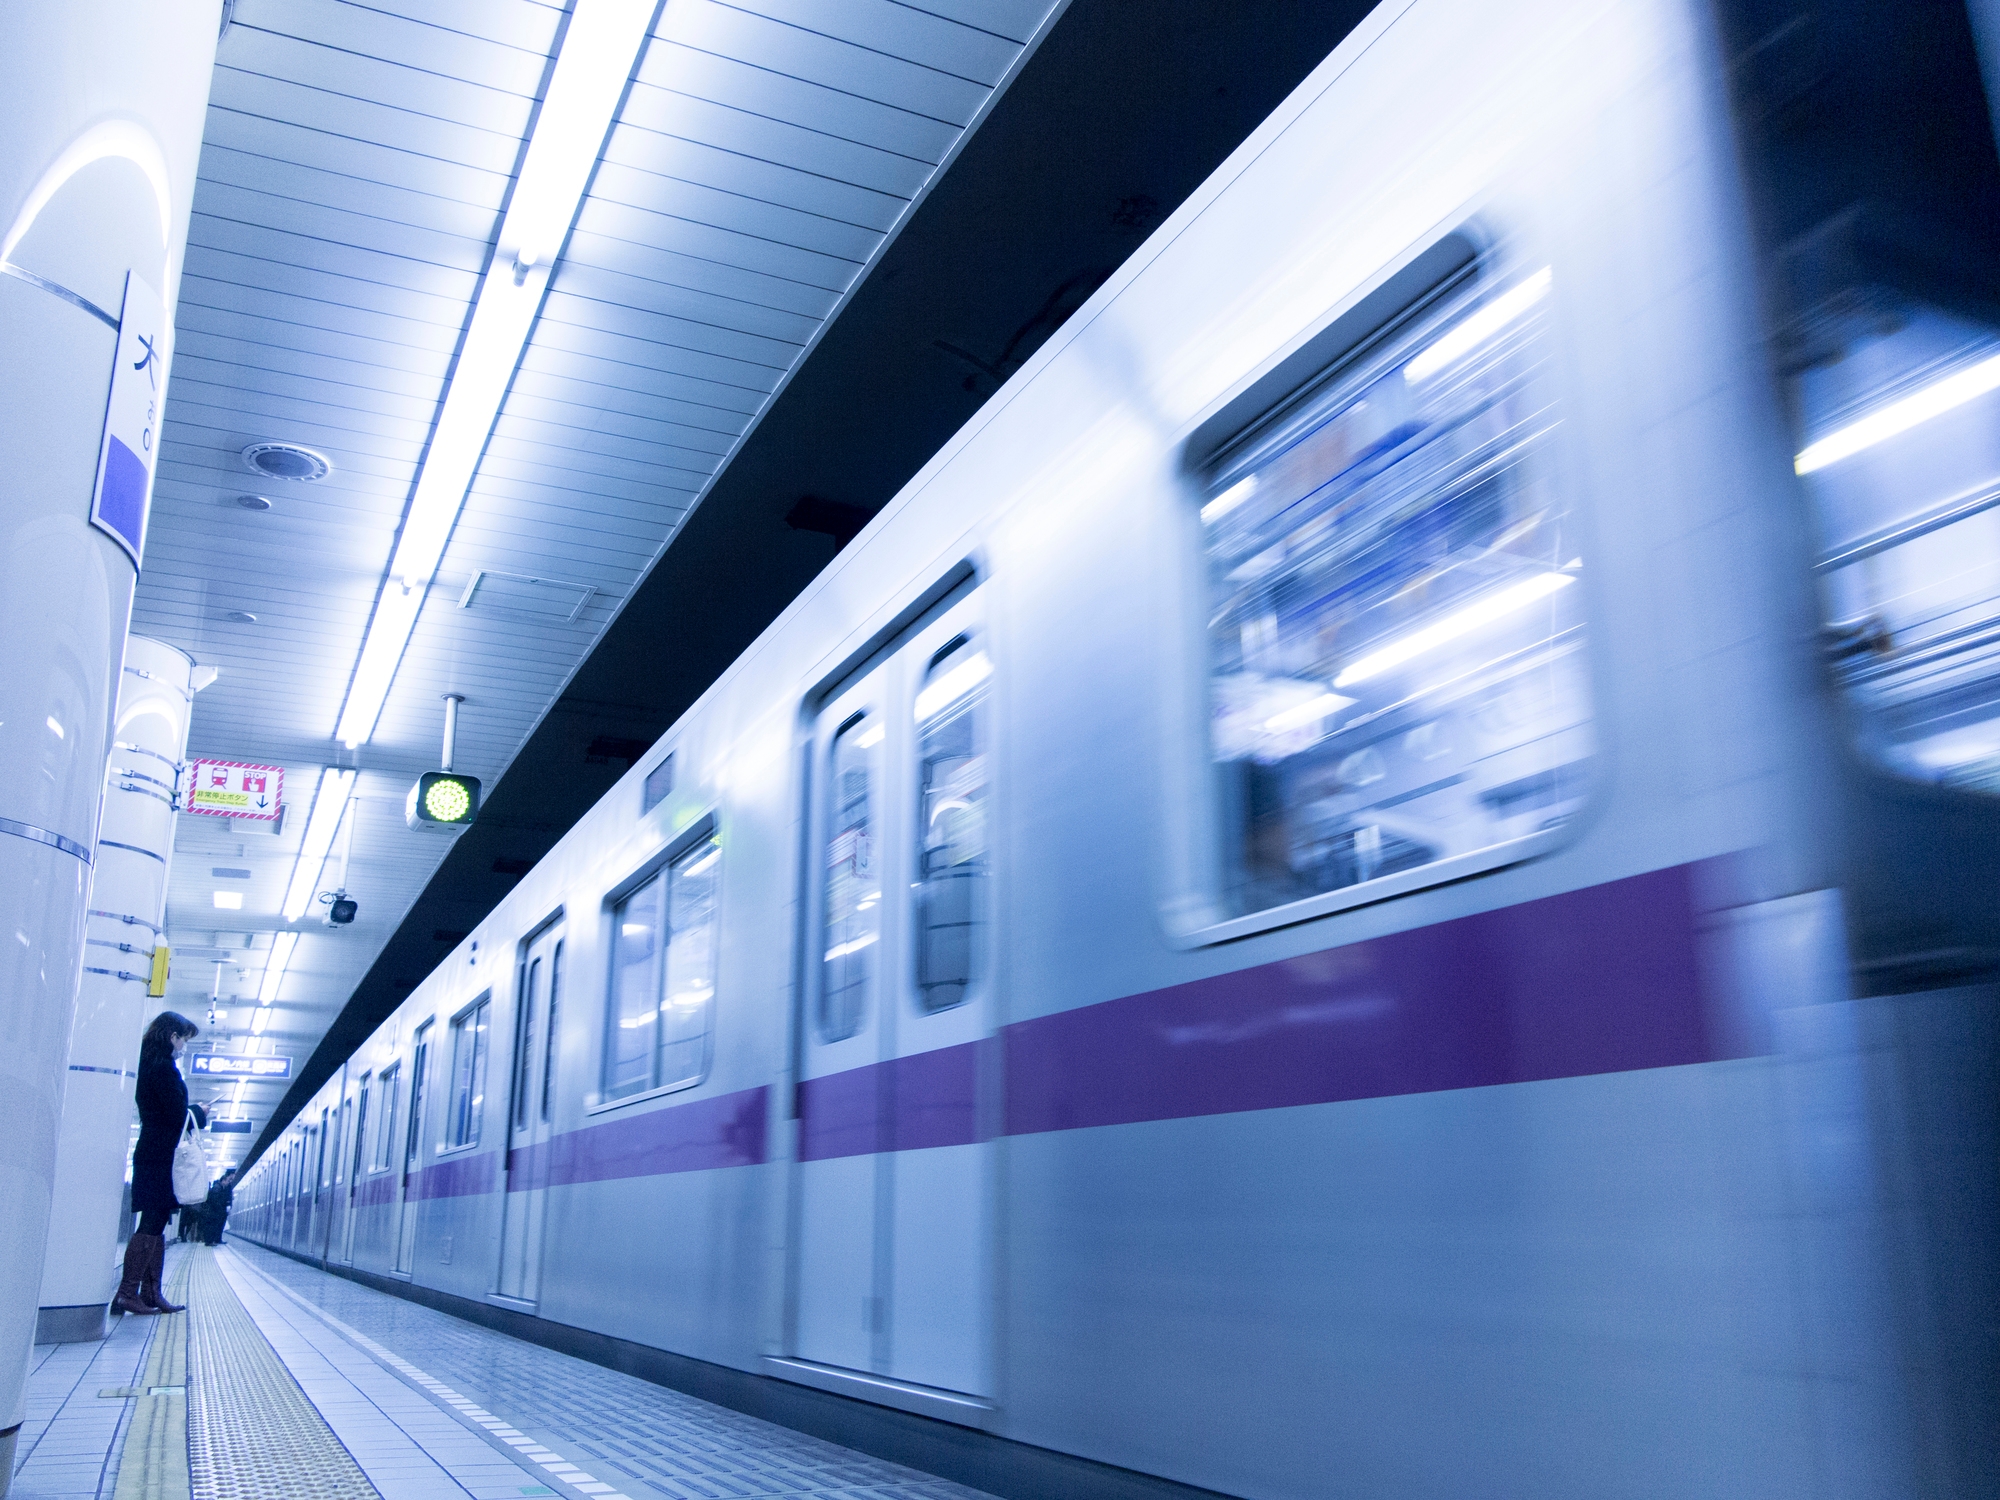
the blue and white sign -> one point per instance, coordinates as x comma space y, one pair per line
229, 1127
129, 453
237, 1065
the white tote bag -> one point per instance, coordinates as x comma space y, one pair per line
190, 1165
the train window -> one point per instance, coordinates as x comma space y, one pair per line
361, 1142
555, 1015
853, 880
390, 1085
950, 891
528, 977
468, 1075
1395, 638
419, 1068
663, 976
1901, 460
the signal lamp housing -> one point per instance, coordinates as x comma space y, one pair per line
442, 801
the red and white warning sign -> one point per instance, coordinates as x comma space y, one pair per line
234, 789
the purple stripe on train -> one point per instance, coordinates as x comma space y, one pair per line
458, 1176
728, 1131
1599, 980
929, 1099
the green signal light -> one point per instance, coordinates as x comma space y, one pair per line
446, 800
442, 801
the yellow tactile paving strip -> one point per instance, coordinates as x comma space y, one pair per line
153, 1463
219, 1417
251, 1432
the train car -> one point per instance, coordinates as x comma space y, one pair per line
1305, 913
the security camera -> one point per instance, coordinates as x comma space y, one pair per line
341, 908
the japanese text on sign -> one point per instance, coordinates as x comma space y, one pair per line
234, 789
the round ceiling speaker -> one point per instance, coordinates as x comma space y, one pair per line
240, 617
253, 502
287, 461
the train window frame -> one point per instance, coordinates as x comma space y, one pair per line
389, 1084
704, 828
977, 699
482, 1053
1282, 394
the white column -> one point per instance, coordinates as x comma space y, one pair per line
128, 912
101, 107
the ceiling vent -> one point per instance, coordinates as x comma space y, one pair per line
286, 461
526, 598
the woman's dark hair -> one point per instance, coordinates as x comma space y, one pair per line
160, 1036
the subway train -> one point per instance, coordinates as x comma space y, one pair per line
1372, 884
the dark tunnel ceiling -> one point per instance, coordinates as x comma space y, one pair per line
1124, 110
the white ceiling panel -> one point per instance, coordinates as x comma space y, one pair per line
758, 137
355, 163
816, 56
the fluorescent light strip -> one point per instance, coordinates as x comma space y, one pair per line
1494, 606
282, 944
329, 802
1897, 417
1477, 329
599, 50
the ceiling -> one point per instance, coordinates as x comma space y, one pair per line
355, 163
773, 165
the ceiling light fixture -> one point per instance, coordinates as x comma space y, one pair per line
599, 51
282, 945
329, 801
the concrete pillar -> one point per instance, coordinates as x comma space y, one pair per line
101, 108
127, 918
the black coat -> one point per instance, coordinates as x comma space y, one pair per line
163, 1108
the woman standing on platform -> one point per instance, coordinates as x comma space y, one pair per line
163, 1113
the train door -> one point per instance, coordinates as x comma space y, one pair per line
893, 1181
412, 1149
524, 1204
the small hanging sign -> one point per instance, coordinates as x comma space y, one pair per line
129, 452
234, 789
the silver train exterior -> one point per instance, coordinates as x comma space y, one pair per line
1295, 915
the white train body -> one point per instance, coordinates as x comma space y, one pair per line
1540, 1165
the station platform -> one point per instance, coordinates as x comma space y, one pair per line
284, 1381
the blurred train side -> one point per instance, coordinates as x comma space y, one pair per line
1678, 1280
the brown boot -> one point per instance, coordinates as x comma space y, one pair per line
137, 1257
149, 1289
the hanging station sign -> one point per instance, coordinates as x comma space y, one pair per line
235, 789
240, 1065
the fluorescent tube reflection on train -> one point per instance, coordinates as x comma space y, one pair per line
954, 685
1301, 714
870, 737
1228, 500
1494, 606
1933, 400
855, 945
1477, 329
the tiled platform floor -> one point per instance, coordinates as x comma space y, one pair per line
70, 1437
432, 1408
